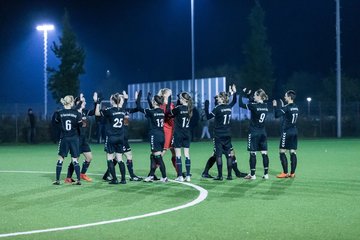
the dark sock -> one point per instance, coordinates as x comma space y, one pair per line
210, 162
265, 158
70, 170
122, 170
284, 162
85, 167
293, 159
252, 163
129, 165
229, 166
77, 170
179, 166
152, 165
111, 169
234, 165
187, 166
174, 162
219, 166
58, 169
106, 174
114, 162
159, 160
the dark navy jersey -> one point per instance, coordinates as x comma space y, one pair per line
70, 122
259, 112
290, 115
222, 114
114, 118
155, 118
182, 117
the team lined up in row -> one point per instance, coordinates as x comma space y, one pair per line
168, 123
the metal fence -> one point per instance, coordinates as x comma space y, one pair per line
317, 119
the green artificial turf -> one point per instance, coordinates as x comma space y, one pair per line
320, 203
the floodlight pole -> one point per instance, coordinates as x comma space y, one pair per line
338, 69
192, 51
45, 29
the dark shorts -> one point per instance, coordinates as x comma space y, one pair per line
289, 140
84, 146
114, 144
222, 145
126, 147
257, 141
157, 140
182, 139
67, 144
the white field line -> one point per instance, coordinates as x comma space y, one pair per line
202, 196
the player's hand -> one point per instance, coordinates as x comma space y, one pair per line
125, 95
274, 102
233, 88
95, 97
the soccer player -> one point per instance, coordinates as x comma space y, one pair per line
80, 103
182, 114
70, 121
222, 130
211, 161
289, 132
168, 123
127, 150
114, 117
257, 137
155, 118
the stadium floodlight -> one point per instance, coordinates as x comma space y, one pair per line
45, 28
308, 99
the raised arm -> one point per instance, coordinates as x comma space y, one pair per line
149, 100
278, 108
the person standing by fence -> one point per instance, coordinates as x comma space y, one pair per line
31, 133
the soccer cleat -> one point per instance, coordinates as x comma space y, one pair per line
250, 177
165, 179
123, 181
282, 175
266, 176
57, 182
241, 175
149, 179
229, 178
292, 175
85, 177
69, 180
179, 179
136, 178
114, 181
77, 183
206, 175
187, 179
217, 178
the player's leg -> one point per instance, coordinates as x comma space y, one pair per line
88, 157
187, 164
119, 159
178, 165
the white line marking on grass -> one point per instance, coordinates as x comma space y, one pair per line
202, 196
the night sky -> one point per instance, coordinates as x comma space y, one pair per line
150, 40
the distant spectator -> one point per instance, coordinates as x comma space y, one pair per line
32, 127
205, 126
